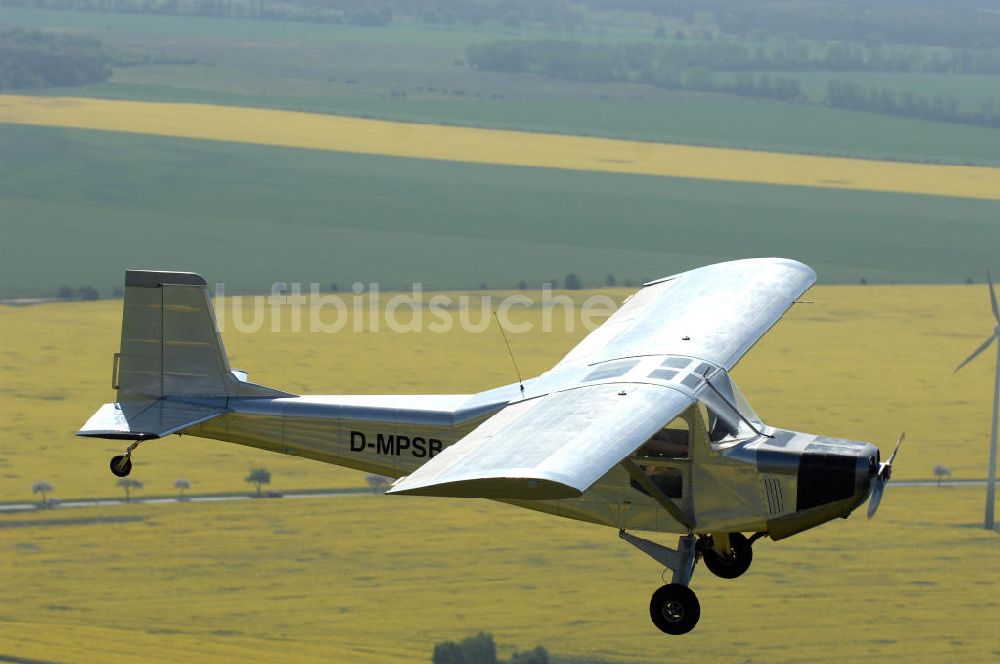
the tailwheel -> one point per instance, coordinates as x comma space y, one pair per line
732, 564
121, 465
674, 609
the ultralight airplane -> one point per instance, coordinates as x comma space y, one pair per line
639, 427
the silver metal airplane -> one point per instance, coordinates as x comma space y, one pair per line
639, 427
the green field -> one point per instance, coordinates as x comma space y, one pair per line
363, 71
679, 118
86, 204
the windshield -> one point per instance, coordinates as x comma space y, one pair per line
730, 417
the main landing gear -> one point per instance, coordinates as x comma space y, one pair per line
674, 608
121, 465
726, 559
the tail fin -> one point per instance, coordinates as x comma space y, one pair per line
172, 371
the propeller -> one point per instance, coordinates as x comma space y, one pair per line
996, 330
882, 478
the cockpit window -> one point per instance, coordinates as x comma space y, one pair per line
730, 417
671, 442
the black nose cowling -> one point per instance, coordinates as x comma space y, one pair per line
827, 477
834, 479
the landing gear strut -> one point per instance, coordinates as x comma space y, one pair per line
121, 465
674, 608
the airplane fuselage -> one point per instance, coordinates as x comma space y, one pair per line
781, 482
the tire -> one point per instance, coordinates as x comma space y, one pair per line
124, 470
674, 609
732, 565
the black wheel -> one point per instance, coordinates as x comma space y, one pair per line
733, 564
121, 465
674, 609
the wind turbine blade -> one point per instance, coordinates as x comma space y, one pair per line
993, 297
986, 344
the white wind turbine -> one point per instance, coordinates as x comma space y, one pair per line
991, 476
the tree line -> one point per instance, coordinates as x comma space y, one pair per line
960, 23
624, 63
857, 97
555, 14
33, 59
721, 68
595, 60
481, 649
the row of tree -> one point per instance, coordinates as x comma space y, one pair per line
556, 14
481, 649
857, 97
258, 477
81, 293
962, 23
679, 69
33, 59
621, 63
597, 61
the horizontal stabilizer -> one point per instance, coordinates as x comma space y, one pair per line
555, 446
148, 419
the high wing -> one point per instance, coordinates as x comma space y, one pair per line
557, 444
553, 446
715, 313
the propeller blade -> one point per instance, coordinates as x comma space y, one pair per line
899, 441
986, 344
876, 498
993, 297
882, 478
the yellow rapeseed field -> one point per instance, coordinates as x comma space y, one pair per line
372, 579
379, 580
862, 362
488, 146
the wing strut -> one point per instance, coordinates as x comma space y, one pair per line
655, 492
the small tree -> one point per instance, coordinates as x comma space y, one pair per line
609, 280
537, 656
378, 483
88, 293
259, 477
940, 472
448, 652
479, 649
182, 485
522, 285
572, 282
42, 488
129, 485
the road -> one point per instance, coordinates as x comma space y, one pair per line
103, 502
341, 493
